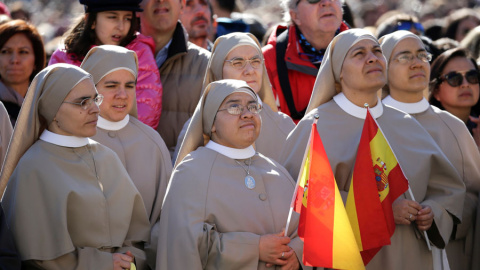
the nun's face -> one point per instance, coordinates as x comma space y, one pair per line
245, 63
72, 119
363, 68
236, 131
118, 89
410, 76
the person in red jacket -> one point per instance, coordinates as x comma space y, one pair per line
297, 50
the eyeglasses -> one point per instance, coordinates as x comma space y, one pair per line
407, 58
236, 109
87, 102
407, 25
455, 79
240, 63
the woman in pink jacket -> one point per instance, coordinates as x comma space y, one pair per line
114, 22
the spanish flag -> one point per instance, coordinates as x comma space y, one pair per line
377, 181
324, 227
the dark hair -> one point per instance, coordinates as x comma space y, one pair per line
11, 28
228, 5
437, 68
81, 37
390, 25
454, 19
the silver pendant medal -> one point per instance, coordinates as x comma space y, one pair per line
249, 182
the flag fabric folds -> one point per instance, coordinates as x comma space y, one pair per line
377, 181
324, 226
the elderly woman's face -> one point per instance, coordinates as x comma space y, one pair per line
363, 68
118, 89
251, 72
17, 60
405, 75
463, 96
72, 119
236, 131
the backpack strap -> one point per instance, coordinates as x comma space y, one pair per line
281, 48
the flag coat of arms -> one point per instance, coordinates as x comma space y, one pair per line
377, 181
324, 226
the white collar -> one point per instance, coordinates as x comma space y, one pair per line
232, 153
355, 110
62, 140
109, 125
411, 108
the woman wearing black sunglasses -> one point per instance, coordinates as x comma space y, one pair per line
454, 87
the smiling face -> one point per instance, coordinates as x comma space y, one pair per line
253, 76
319, 18
71, 119
118, 89
363, 69
160, 16
236, 131
464, 96
111, 27
17, 60
411, 77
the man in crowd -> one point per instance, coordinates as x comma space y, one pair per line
181, 65
297, 50
197, 18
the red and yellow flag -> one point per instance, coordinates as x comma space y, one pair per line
324, 227
377, 181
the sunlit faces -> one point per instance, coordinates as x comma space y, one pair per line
322, 17
160, 16
236, 131
363, 68
118, 89
196, 18
253, 76
412, 76
463, 96
17, 60
71, 119
111, 27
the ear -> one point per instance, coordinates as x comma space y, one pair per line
436, 95
213, 128
294, 17
86, 18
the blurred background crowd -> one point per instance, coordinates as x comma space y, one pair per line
439, 18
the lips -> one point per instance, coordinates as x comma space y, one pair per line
199, 21
373, 70
417, 75
248, 125
161, 10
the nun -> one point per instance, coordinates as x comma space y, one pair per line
408, 76
69, 202
239, 56
227, 205
353, 71
140, 148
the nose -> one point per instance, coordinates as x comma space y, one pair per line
14, 57
121, 24
465, 83
326, 2
248, 69
372, 58
246, 113
199, 10
121, 93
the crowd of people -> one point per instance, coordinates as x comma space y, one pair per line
169, 134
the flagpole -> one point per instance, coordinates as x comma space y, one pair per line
427, 240
298, 179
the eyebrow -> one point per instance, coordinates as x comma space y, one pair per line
403, 52
84, 97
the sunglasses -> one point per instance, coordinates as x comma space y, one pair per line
455, 79
407, 25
